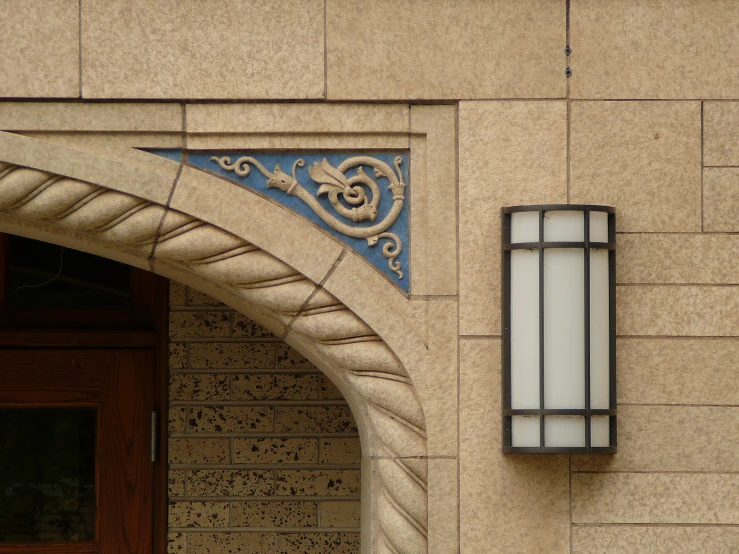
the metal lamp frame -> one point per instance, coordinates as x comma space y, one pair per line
541, 245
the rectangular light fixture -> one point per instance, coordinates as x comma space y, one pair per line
559, 329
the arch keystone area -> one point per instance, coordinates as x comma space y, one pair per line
120, 211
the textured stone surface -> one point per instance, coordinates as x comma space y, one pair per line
176, 420
643, 158
636, 49
340, 451
628, 539
199, 324
198, 451
177, 355
230, 543
339, 514
230, 419
328, 390
176, 483
677, 258
720, 133
246, 49
314, 419
317, 543
721, 199
307, 482
677, 310
39, 40
176, 543
274, 514
474, 60
509, 153
198, 514
67, 116
232, 355
230, 482
505, 497
200, 386
655, 498
278, 386
289, 358
245, 327
671, 438
277, 451
677, 371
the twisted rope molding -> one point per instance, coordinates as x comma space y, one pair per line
279, 291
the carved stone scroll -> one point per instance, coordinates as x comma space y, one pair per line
353, 350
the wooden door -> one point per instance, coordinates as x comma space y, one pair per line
117, 385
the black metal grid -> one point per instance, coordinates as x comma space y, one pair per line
541, 245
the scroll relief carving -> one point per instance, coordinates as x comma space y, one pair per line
360, 191
358, 355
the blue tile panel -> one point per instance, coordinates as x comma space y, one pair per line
322, 181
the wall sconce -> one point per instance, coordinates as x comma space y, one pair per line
559, 329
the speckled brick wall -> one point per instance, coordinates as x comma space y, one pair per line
264, 453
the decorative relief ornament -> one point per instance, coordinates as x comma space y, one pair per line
354, 197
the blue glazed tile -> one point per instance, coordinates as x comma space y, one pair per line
169, 153
322, 183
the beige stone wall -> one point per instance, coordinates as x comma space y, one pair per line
264, 454
648, 122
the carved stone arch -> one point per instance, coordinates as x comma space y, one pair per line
101, 218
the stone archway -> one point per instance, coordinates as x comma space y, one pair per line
58, 207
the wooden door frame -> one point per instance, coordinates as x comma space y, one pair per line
150, 330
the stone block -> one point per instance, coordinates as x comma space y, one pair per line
339, 514
230, 482
520, 500
276, 451
677, 258
199, 386
671, 438
678, 311
39, 40
721, 199
628, 539
655, 498
472, 59
231, 419
510, 153
340, 451
177, 294
317, 543
197, 298
230, 543
198, 514
655, 49
245, 327
289, 358
177, 355
131, 51
252, 355
176, 420
274, 514
275, 386
309, 482
314, 419
720, 133
176, 543
176, 483
191, 325
677, 371
199, 451
643, 158
328, 390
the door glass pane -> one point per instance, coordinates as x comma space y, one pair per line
43, 275
47, 474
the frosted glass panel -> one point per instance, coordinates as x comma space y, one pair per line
600, 427
525, 227
524, 329
564, 431
598, 227
564, 226
525, 431
599, 330
564, 305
